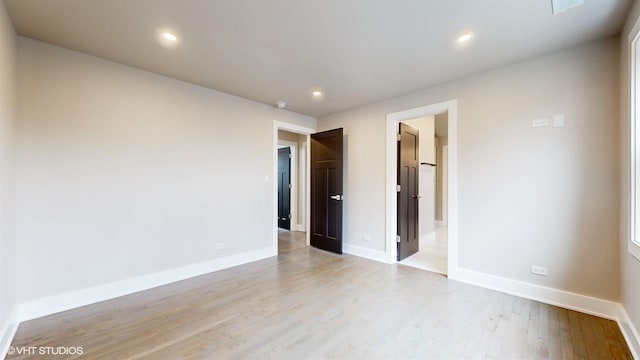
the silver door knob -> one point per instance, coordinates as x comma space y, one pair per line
336, 197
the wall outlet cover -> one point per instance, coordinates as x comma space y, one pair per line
539, 122
539, 270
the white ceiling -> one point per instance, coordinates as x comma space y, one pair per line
356, 51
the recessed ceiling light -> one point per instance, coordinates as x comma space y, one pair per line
465, 38
317, 93
169, 36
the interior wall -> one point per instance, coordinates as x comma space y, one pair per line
426, 174
441, 120
123, 172
526, 196
630, 266
7, 173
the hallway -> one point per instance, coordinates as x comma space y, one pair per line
432, 255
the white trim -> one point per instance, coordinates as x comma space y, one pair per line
633, 244
307, 221
445, 189
582, 303
279, 125
74, 299
8, 331
293, 176
629, 331
366, 253
393, 120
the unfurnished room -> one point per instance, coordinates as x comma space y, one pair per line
306, 179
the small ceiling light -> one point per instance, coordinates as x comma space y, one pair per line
169, 37
281, 104
464, 38
316, 93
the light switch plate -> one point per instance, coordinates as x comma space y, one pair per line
558, 120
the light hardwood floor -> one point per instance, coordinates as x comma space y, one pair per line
309, 304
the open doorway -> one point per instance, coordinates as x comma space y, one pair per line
438, 225
432, 241
287, 181
290, 219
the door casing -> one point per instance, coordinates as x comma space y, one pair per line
278, 125
393, 121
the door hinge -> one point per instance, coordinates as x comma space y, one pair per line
397, 238
289, 156
289, 216
399, 137
289, 186
398, 188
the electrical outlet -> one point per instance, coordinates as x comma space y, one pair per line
366, 237
219, 246
539, 270
539, 122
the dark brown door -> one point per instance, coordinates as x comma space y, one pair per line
326, 190
284, 188
408, 196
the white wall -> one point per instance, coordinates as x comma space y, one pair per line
123, 173
441, 120
544, 196
630, 266
7, 176
426, 182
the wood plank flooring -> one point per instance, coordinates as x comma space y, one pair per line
309, 304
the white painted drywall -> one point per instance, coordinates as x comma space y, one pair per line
544, 196
123, 173
426, 181
442, 123
630, 266
7, 172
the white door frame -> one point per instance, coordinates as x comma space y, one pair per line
293, 178
444, 189
278, 125
393, 120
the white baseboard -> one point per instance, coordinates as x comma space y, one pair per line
441, 223
630, 332
367, 253
8, 331
582, 303
298, 227
58, 303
